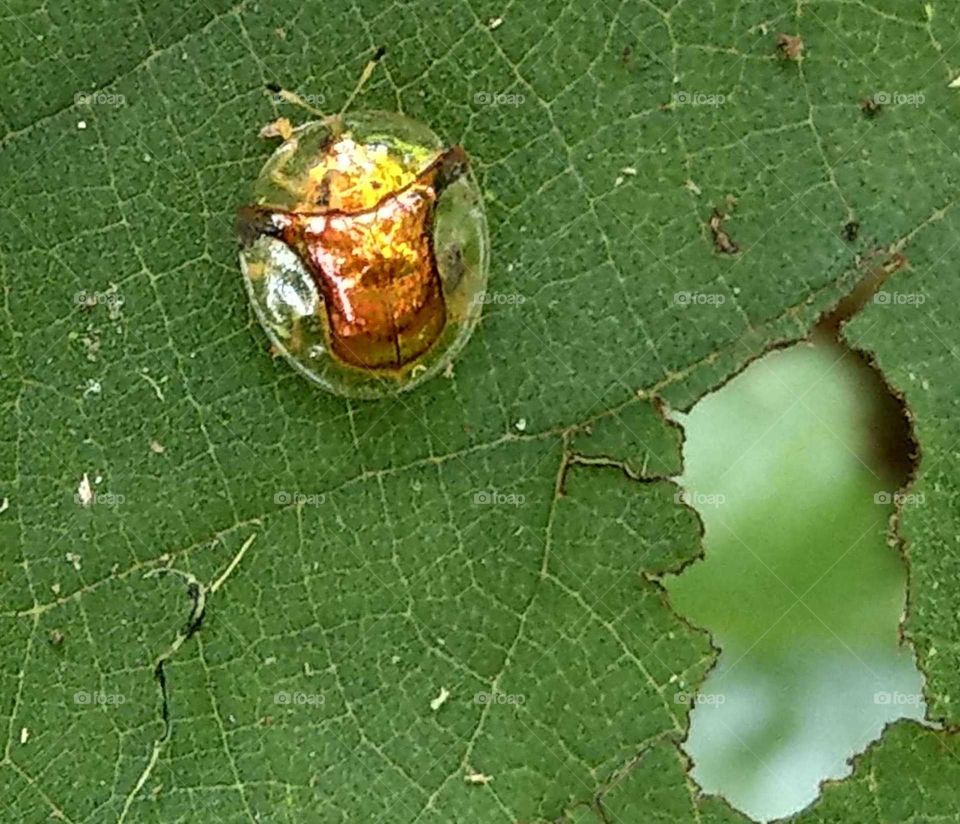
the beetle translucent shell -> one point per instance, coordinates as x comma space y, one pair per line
365, 252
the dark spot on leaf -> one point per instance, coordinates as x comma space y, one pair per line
870, 107
790, 46
851, 231
722, 242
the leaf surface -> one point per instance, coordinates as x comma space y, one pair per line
434, 543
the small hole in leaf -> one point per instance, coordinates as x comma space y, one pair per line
794, 466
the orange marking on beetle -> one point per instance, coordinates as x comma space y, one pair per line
376, 266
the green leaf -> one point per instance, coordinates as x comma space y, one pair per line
378, 576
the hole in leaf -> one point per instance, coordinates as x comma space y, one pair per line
794, 467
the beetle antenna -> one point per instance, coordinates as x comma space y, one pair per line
294, 99
365, 75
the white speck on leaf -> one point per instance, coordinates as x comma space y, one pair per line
474, 777
4, 505
82, 125
24, 735
495, 23
157, 448
92, 346
84, 491
115, 304
440, 700
74, 559
521, 425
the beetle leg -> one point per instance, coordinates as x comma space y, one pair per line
281, 127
